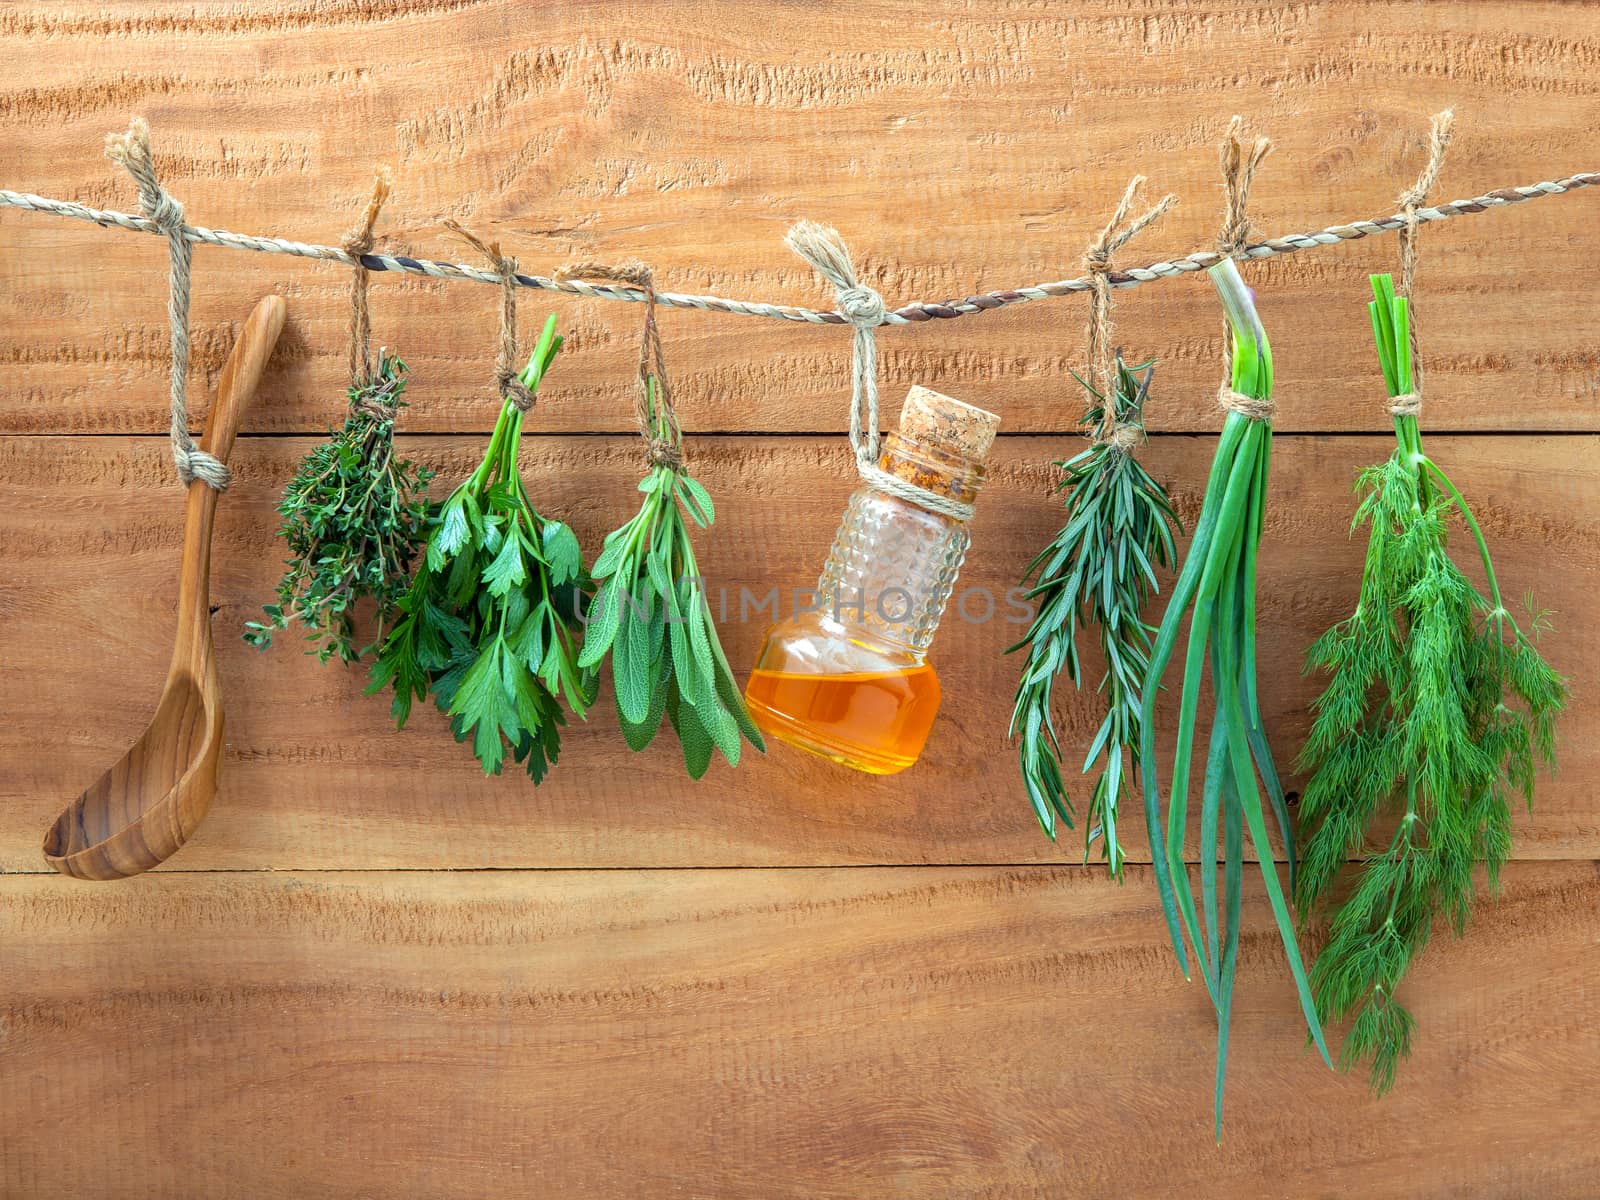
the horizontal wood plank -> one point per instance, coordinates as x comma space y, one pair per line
315, 776
843, 1033
959, 148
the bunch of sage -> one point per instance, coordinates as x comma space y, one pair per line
649, 614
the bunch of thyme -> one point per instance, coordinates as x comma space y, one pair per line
1437, 708
354, 515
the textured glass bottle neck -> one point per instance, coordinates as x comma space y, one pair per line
893, 564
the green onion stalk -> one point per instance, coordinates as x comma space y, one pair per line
1437, 708
1216, 591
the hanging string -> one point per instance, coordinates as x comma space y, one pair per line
653, 408
132, 150
355, 243
1101, 354
507, 380
824, 249
1409, 404
1239, 163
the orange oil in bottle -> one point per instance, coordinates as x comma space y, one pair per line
875, 721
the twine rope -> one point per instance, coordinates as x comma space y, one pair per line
1239, 164
507, 381
162, 210
1099, 350
357, 242
1409, 404
824, 249
654, 411
906, 314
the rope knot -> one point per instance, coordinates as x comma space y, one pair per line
664, 452
1097, 260
1239, 163
194, 463
862, 306
653, 410
132, 150
1246, 406
513, 389
1407, 404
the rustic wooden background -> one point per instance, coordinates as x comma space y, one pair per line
376, 973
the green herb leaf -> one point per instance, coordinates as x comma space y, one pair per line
652, 617
1437, 709
489, 625
354, 517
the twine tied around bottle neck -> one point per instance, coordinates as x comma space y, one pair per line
507, 379
823, 248
358, 241
1239, 163
654, 411
1409, 404
1102, 355
132, 150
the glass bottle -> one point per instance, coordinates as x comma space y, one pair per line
849, 680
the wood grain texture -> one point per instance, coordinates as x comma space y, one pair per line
923, 1032
316, 776
893, 994
958, 146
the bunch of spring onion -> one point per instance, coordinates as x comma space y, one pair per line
1437, 707
1216, 591
1100, 570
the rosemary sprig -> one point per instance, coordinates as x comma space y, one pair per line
1100, 570
490, 625
650, 614
354, 515
1437, 706
1217, 590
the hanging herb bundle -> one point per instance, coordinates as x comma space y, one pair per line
1216, 589
1437, 708
1100, 570
489, 626
354, 515
354, 512
650, 613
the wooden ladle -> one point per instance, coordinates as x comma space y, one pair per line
146, 806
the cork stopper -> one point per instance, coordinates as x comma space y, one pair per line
932, 418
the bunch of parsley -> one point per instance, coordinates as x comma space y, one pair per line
489, 626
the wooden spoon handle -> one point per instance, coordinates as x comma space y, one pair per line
237, 387
242, 375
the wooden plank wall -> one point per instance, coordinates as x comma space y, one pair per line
376, 973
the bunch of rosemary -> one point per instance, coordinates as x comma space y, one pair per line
489, 625
1437, 706
1099, 569
353, 514
650, 614
1217, 590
